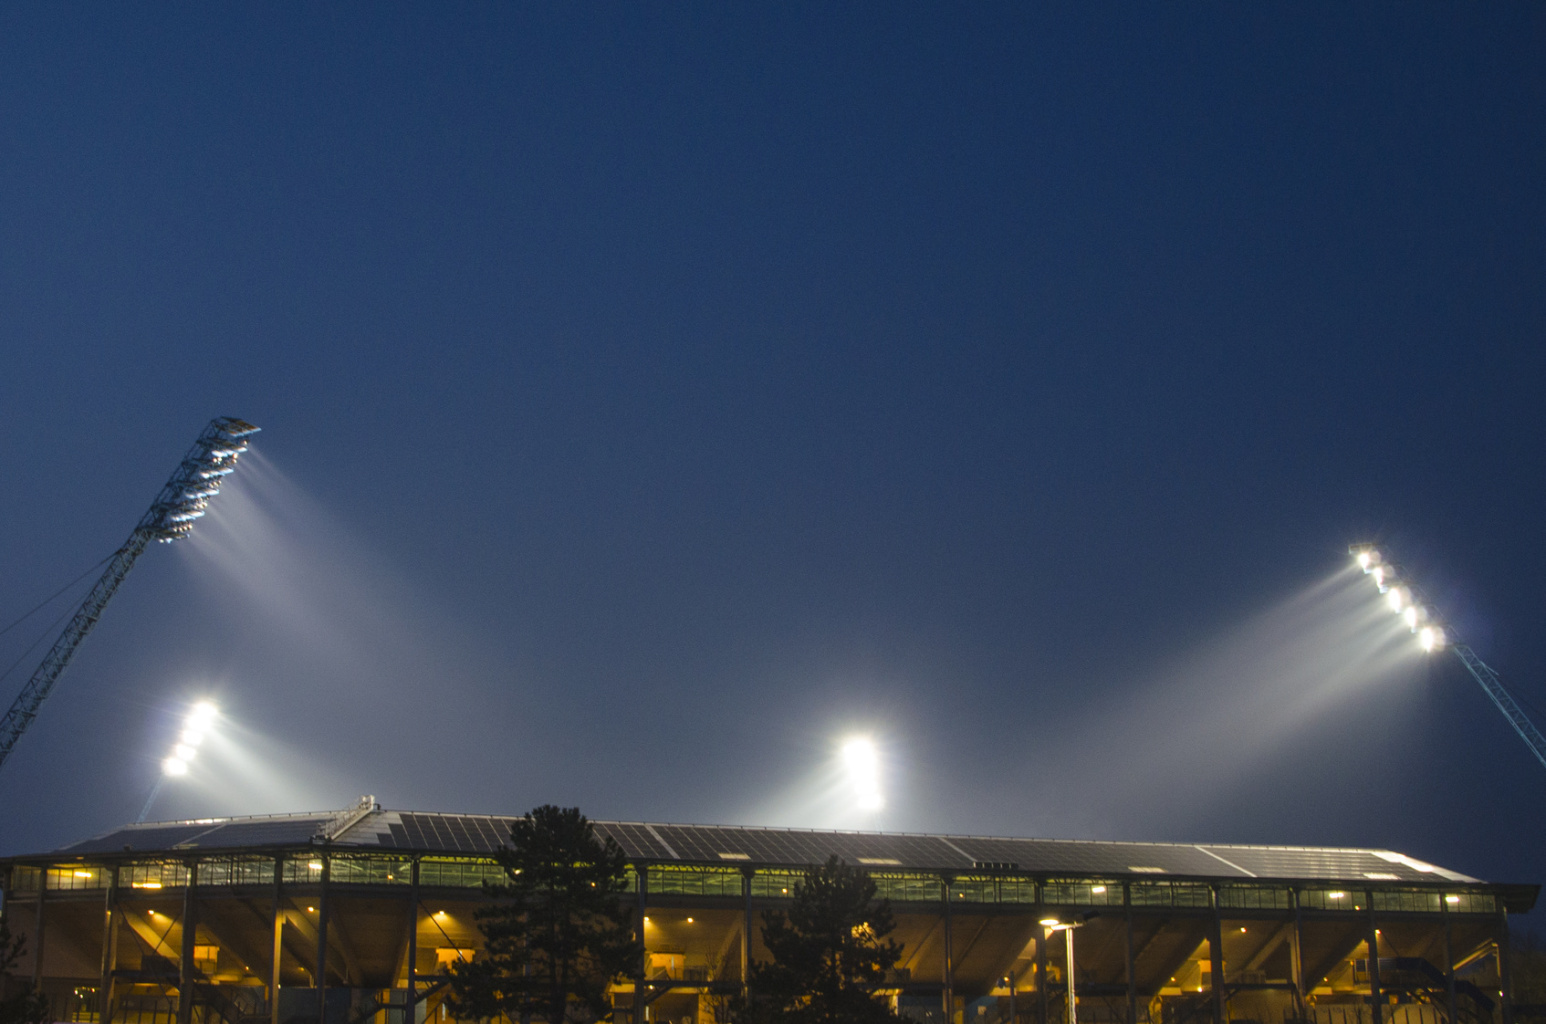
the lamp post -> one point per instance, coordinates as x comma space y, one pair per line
1052, 924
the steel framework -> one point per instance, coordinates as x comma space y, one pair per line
184, 499
1513, 712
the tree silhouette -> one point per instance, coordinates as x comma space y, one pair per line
557, 932
26, 1006
829, 953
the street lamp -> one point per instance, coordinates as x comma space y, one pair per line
1052, 924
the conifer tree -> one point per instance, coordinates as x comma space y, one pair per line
829, 953
24, 1005
557, 932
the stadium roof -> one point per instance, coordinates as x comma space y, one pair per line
373, 829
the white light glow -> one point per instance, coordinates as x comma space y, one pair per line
202, 714
1409, 616
861, 764
1396, 598
183, 752
174, 766
1430, 638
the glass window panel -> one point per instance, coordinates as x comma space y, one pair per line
695, 881
236, 871
1253, 897
160, 874
968, 889
908, 888
777, 884
1083, 892
1330, 899
78, 876
1470, 903
1407, 900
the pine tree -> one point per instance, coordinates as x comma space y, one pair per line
25, 1006
557, 932
829, 953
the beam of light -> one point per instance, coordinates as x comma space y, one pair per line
332, 625
1215, 722
861, 766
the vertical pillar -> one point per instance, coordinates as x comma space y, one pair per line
1216, 959
1296, 953
746, 932
322, 910
37, 931
642, 871
276, 957
411, 998
949, 995
185, 969
109, 946
1449, 965
1042, 1007
1505, 975
1132, 980
1376, 994
1011, 980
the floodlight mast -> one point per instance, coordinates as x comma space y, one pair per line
184, 499
1407, 601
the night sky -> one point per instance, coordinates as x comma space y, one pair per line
653, 397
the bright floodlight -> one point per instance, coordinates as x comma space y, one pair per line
861, 763
1430, 638
196, 725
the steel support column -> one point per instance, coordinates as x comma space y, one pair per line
1505, 976
1011, 979
1376, 994
186, 967
109, 947
642, 871
1449, 965
948, 996
746, 933
411, 997
1042, 1006
276, 957
1132, 980
322, 910
1296, 953
1216, 959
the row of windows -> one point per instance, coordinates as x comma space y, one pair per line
899, 887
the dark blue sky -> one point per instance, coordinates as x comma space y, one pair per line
651, 397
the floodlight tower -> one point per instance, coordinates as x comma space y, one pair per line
184, 499
1406, 601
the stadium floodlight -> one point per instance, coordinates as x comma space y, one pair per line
861, 763
196, 725
1417, 615
183, 499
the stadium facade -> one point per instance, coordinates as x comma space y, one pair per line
236, 921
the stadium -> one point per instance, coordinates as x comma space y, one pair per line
353, 917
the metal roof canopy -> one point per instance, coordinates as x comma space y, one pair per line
468, 834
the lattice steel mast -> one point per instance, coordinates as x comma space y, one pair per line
1406, 601
184, 499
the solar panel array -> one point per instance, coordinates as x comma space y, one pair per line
770, 847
